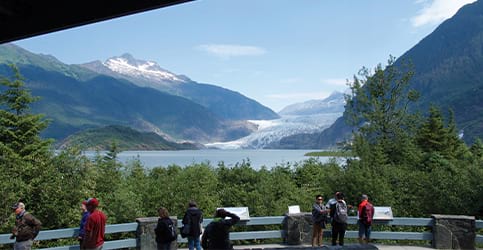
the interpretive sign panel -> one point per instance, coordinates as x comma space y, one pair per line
383, 213
242, 212
294, 209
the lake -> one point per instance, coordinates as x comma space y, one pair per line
257, 157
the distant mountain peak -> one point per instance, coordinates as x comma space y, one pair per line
334, 103
127, 65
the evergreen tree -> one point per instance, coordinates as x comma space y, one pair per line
25, 158
432, 136
20, 129
378, 108
477, 151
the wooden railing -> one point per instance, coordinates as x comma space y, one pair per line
247, 235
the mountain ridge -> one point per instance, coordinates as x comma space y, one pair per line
225, 103
332, 104
75, 98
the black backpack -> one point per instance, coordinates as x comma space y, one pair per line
168, 235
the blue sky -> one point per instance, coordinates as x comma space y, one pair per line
278, 52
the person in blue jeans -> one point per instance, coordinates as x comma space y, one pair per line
193, 218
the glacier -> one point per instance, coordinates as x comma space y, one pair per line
270, 131
311, 116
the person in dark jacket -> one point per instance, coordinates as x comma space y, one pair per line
319, 218
217, 233
339, 226
193, 218
165, 230
85, 215
27, 227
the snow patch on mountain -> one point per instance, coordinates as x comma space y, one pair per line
148, 70
271, 131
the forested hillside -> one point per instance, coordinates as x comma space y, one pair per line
124, 138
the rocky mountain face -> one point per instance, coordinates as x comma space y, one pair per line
223, 102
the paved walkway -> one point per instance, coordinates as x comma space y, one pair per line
346, 247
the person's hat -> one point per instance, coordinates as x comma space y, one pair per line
93, 202
365, 197
84, 202
18, 205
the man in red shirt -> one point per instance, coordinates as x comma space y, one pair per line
366, 214
94, 227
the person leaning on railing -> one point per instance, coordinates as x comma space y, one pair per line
27, 227
217, 233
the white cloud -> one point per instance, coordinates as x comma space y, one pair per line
436, 11
230, 50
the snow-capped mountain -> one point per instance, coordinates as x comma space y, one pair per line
149, 70
223, 102
332, 104
141, 72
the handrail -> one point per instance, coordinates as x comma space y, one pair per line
73, 232
479, 225
248, 235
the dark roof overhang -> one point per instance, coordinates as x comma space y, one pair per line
26, 18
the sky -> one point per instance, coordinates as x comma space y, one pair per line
277, 52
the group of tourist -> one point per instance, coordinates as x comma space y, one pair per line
93, 224
214, 236
91, 231
336, 211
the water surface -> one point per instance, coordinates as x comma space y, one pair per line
257, 157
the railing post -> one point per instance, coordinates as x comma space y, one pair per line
298, 228
145, 233
453, 232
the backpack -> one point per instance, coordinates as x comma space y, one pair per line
186, 228
172, 231
340, 212
367, 214
169, 234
